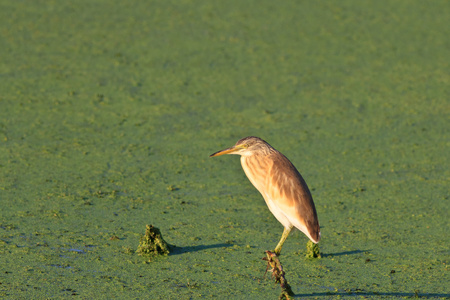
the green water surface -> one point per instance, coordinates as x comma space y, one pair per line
109, 110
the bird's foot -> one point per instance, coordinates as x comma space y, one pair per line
278, 273
272, 259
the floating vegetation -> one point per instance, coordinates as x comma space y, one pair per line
152, 243
312, 250
114, 238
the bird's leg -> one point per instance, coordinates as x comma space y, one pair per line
277, 269
283, 239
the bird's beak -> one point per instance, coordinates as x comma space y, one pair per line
226, 151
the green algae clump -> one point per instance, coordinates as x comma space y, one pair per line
152, 243
312, 250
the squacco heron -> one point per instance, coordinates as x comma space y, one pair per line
283, 188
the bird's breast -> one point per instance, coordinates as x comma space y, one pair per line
257, 169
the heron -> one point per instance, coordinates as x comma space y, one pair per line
281, 185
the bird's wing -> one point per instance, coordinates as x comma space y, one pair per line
287, 187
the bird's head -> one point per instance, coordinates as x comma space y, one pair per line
246, 147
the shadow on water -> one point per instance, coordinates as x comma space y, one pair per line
358, 294
180, 250
344, 253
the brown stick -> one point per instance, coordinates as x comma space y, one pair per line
277, 271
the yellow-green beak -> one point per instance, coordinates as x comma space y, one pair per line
225, 151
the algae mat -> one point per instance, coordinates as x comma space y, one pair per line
109, 110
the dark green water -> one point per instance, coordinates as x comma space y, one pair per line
109, 110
